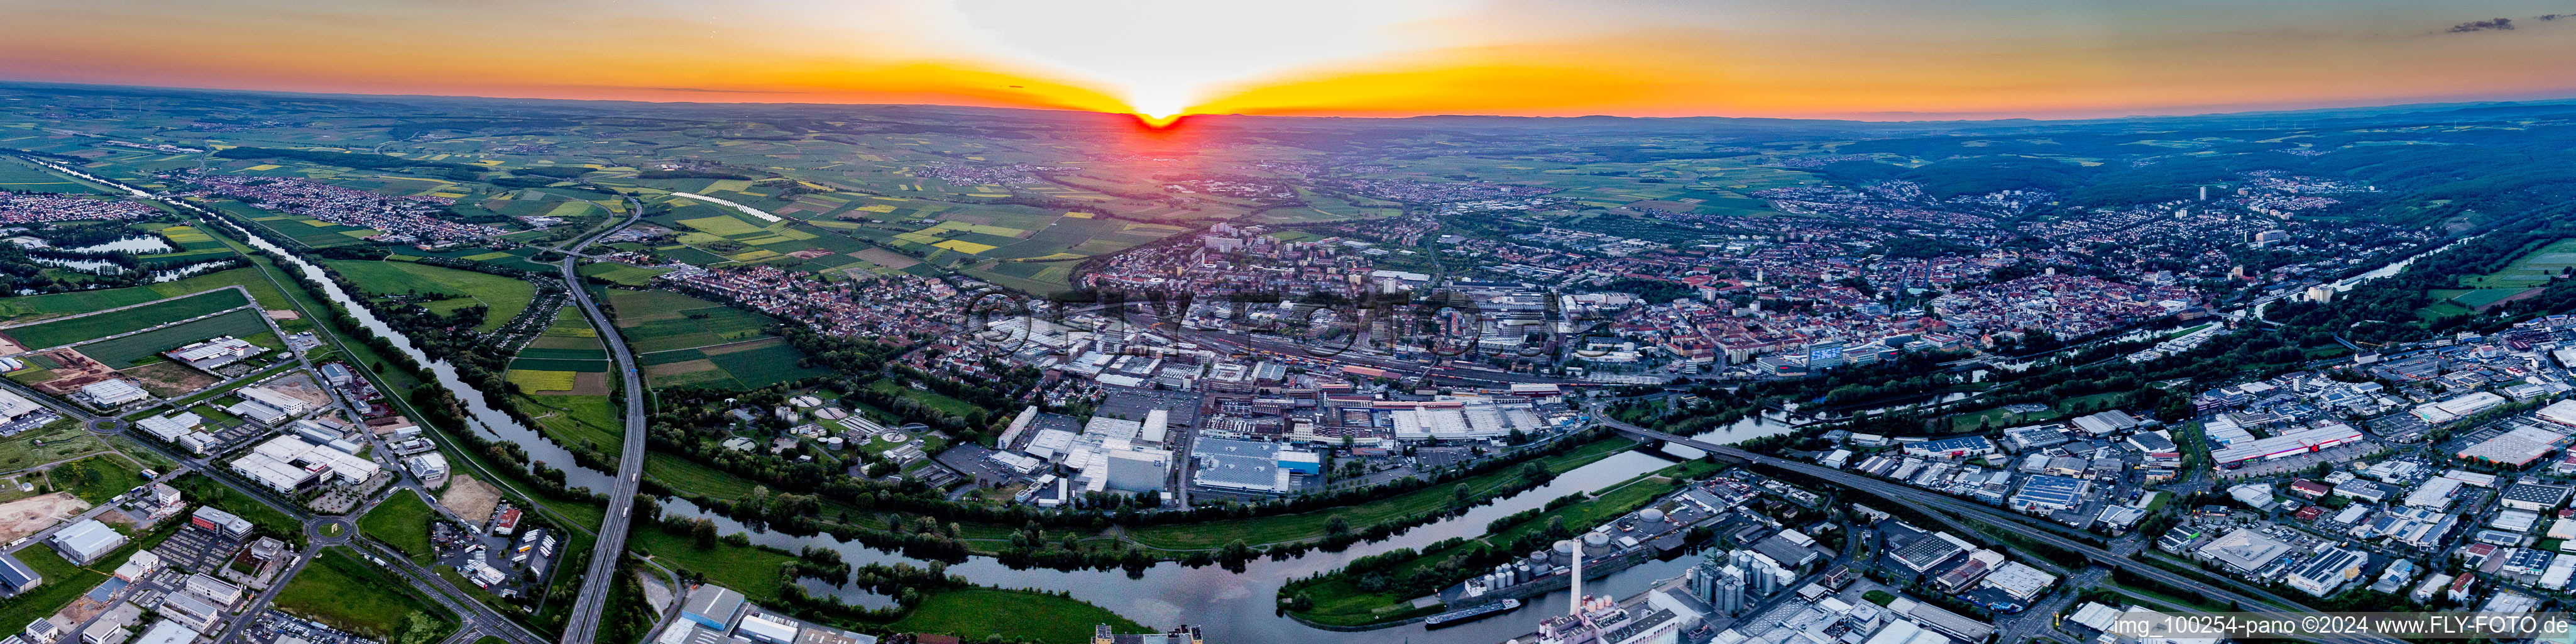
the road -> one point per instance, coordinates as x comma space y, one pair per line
2251, 600
475, 617
583, 626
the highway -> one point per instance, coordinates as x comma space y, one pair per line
583, 626
2255, 600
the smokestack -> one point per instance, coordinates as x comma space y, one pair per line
1574, 593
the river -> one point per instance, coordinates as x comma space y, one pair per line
1236, 608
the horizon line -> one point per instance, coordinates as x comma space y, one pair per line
2180, 112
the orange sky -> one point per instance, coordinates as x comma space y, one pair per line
1877, 59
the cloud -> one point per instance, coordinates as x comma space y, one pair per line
2492, 24
2553, 16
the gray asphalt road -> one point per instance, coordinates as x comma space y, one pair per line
583, 626
2253, 599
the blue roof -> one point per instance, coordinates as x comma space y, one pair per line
16, 574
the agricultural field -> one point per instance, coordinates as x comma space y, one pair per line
682, 340
194, 245
2534, 269
145, 348
506, 297
17, 175
303, 229
91, 327
517, 258
38, 307
623, 274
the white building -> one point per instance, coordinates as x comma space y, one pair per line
266, 396
113, 391
85, 542
2328, 571
287, 463
13, 405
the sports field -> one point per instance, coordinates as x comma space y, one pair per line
506, 296
92, 327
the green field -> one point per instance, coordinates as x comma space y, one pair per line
346, 593
1310, 525
17, 175
679, 473
63, 583
82, 329
1340, 601
621, 273
933, 400
96, 479
1017, 615
688, 341
401, 521
60, 440
32, 307
264, 519
2478, 298
2532, 269
752, 571
127, 351
577, 420
505, 296
663, 320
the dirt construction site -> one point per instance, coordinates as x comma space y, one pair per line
34, 514
470, 499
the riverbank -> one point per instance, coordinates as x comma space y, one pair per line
1375, 593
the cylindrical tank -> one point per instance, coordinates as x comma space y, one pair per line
1652, 516
1538, 557
1563, 554
1595, 539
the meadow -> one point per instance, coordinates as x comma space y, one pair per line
17, 175
145, 347
401, 521
506, 297
91, 327
682, 340
344, 592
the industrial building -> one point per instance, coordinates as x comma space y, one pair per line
112, 392
2046, 493
2518, 447
2328, 571
85, 542
287, 464
712, 607
1249, 466
1954, 448
213, 354
2245, 550
16, 577
2287, 444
